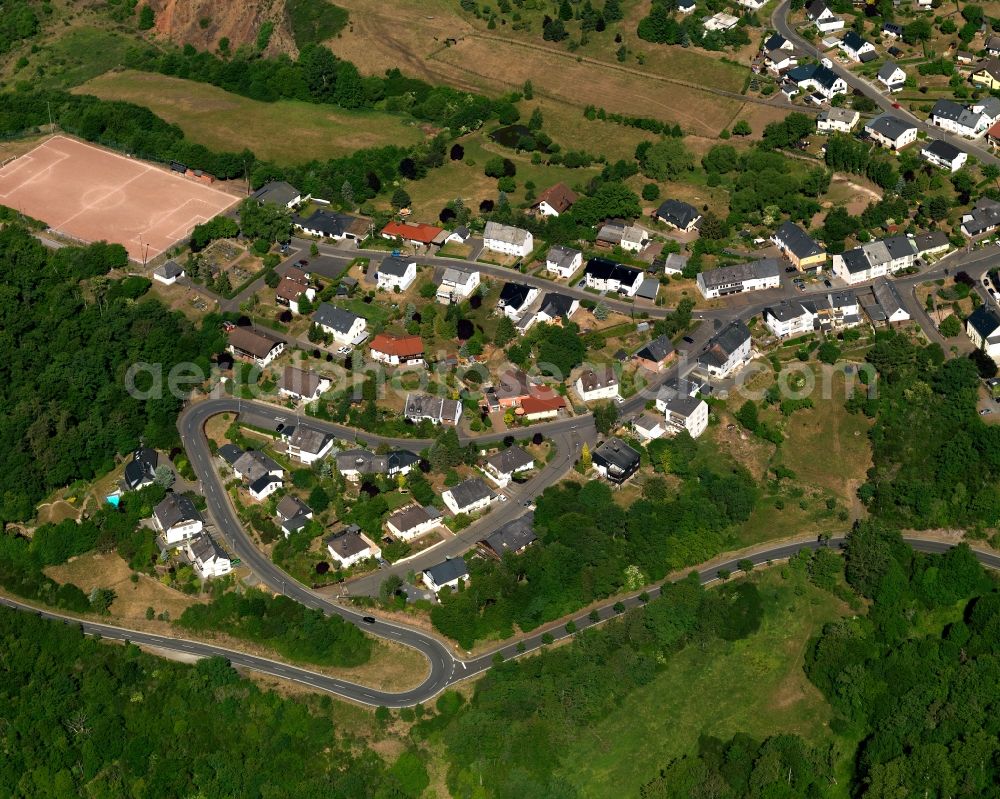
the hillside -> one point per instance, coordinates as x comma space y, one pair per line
204, 23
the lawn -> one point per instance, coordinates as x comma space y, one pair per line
285, 131
755, 686
76, 56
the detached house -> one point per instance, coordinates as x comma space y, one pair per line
563, 261
279, 193
557, 307
615, 461
983, 219
177, 518
604, 275
515, 299
841, 120
799, 247
883, 305
306, 444
447, 574
208, 559
823, 18
468, 496
508, 240
678, 214
856, 48
944, 155
353, 464
141, 470
987, 75
436, 409
344, 326
891, 132
457, 284
503, 465
351, 546
616, 233
255, 346
415, 233
396, 274
891, 76
789, 318
168, 273
292, 514
397, 350
728, 351
326, 224
649, 426
983, 329
753, 276
688, 414
302, 384
968, 121
534, 409
412, 522
656, 354
594, 385
514, 537
818, 78
293, 284
253, 464
554, 201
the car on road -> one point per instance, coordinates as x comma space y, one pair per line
790, 269
368, 619
302, 263
502, 497
896, 105
688, 340
828, 284
985, 412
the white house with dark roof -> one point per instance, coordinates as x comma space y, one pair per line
875, 259
604, 275
141, 470
649, 426
818, 78
841, 120
253, 345
469, 496
891, 76
302, 384
789, 318
752, 276
513, 537
983, 329
279, 193
177, 518
168, 273
306, 444
254, 464
507, 240
891, 132
438, 410
515, 298
350, 546
944, 155
326, 224
447, 574
615, 461
678, 214
983, 219
556, 307
727, 351
823, 18
563, 261
207, 558
597, 384
396, 274
412, 522
965, 120
501, 466
688, 414
344, 326
261, 488
857, 48
457, 284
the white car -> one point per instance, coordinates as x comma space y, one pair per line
620, 400
343, 351
502, 497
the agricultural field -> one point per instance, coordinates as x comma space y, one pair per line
286, 131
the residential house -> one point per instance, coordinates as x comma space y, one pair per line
834, 310
401, 461
351, 546
751, 5
596, 385
964, 57
987, 74
292, 514
799, 247
252, 345
686, 6
293, 284
882, 304
306, 444
841, 120
396, 274
823, 18
457, 284
515, 299
535, 409
326, 224
354, 464
279, 193
261, 488
818, 78
983, 328
412, 522
891, 132
674, 264
554, 200
856, 48
934, 242
892, 30
344, 326
752, 276
503, 465
720, 22
177, 518
615, 461
563, 261
944, 155
508, 240
993, 46
397, 350
891, 76
416, 233
649, 426
302, 384
875, 259
778, 62
447, 574
208, 559
983, 219
168, 273
616, 233
604, 275
513, 537
678, 214
727, 351
776, 42
468, 496
679, 387
655, 355
511, 388
688, 414
789, 318
254, 464
556, 307
141, 470
436, 409
969, 121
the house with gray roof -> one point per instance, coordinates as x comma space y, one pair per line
344, 326
457, 284
983, 219
752, 276
176, 518
727, 351
891, 132
801, 249
468, 496
983, 329
502, 466
437, 410
514, 537
656, 354
447, 574
615, 460
279, 193
563, 261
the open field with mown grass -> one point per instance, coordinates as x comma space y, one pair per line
285, 131
755, 686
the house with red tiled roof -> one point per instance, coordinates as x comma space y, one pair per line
554, 200
993, 135
534, 408
415, 233
397, 350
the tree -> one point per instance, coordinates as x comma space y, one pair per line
950, 326
390, 586
457, 152
586, 460
267, 222
147, 18
400, 199
745, 565
535, 122
498, 167
742, 128
554, 30
163, 476
347, 194
667, 159
612, 199
528, 90
650, 192
828, 352
505, 332
605, 417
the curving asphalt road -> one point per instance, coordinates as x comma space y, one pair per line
455, 670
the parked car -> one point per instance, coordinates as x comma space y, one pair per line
790, 269
828, 284
985, 412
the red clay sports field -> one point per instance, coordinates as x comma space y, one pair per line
92, 194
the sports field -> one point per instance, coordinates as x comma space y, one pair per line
91, 194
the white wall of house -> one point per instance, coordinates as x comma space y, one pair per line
413, 532
567, 272
613, 284
790, 327
402, 282
269, 489
452, 505
509, 248
180, 532
695, 424
357, 329
737, 360
604, 392
373, 551
309, 458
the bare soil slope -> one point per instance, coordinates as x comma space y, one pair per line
203, 23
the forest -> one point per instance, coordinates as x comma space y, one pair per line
68, 335
591, 547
